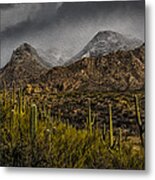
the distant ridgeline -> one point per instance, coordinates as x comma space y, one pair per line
109, 62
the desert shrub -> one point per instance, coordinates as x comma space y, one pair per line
57, 143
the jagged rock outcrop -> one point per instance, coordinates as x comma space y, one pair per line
24, 67
122, 70
117, 71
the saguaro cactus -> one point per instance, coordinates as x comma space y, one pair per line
111, 138
90, 119
33, 121
33, 131
138, 117
12, 120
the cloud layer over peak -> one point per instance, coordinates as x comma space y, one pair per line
67, 26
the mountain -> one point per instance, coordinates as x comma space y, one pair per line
117, 71
24, 67
121, 70
105, 42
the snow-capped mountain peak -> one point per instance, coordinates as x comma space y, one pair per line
105, 42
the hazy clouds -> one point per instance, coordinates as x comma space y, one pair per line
66, 27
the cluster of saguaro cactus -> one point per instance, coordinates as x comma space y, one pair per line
24, 116
112, 143
139, 121
15, 104
90, 122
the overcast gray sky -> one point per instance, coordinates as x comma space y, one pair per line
66, 27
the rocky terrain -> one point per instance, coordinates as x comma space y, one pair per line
117, 71
111, 66
25, 66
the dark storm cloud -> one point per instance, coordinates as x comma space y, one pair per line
91, 10
53, 13
67, 26
117, 13
37, 16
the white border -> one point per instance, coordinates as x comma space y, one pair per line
68, 174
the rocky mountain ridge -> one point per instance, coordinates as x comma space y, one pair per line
117, 71
121, 70
24, 67
105, 42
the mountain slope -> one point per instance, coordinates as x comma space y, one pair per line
24, 67
105, 42
117, 71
